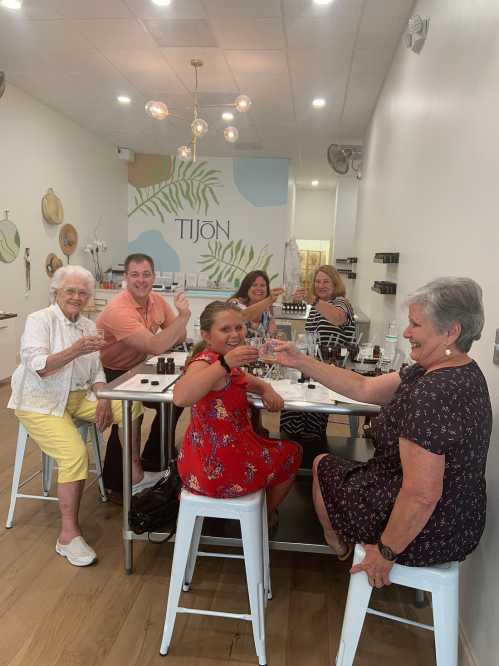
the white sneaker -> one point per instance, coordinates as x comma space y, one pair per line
149, 479
77, 551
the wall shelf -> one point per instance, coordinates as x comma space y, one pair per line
386, 257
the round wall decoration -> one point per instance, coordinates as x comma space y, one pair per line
52, 209
9, 240
52, 263
68, 239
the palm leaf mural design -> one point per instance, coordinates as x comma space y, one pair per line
231, 262
188, 184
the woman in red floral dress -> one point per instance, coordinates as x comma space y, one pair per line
221, 455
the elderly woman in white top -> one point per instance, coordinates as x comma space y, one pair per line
60, 372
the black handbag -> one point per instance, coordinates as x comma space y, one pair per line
156, 509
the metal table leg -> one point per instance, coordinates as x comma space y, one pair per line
162, 434
127, 483
171, 429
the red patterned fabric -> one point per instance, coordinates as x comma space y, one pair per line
221, 455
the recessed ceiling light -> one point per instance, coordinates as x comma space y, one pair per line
123, 99
161, 3
315, 183
12, 4
227, 115
323, 2
318, 102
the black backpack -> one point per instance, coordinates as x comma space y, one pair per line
155, 509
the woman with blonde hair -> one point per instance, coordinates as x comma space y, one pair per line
331, 319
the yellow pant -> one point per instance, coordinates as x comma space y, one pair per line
58, 437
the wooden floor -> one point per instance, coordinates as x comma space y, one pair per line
53, 614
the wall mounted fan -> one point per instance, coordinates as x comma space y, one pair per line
2, 83
343, 159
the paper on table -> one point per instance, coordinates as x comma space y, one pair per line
178, 357
293, 391
135, 384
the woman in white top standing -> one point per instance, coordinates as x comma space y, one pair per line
60, 372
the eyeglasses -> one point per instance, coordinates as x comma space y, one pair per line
82, 293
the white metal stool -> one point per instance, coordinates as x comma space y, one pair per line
251, 511
441, 580
48, 465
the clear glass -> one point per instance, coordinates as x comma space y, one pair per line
184, 153
242, 103
199, 127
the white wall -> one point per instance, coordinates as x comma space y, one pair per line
41, 148
314, 214
345, 218
430, 191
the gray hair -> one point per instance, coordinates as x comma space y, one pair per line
449, 300
66, 272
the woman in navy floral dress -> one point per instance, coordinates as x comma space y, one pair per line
421, 499
221, 455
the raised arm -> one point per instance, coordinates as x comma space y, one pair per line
202, 377
332, 313
252, 312
146, 342
375, 390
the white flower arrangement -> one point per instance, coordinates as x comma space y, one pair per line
94, 248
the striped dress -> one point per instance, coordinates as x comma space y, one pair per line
313, 424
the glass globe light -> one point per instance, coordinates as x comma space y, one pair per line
199, 127
184, 153
243, 103
231, 134
157, 110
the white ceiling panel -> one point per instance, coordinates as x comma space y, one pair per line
114, 34
181, 32
375, 30
76, 9
78, 55
314, 33
214, 76
249, 33
243, 8
147, 70
186, 9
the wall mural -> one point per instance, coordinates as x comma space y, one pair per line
219, 218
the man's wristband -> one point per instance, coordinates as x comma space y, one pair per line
224, 364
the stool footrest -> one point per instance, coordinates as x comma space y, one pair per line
229, 556
196, 611
43, 497
403, 620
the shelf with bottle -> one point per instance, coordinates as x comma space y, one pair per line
384, 287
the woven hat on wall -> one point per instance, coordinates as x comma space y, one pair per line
68, 239
52, 263
52, 209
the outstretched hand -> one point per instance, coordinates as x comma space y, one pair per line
287, 354
242, 355
275, 293
299, 294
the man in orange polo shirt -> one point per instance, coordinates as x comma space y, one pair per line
136, 323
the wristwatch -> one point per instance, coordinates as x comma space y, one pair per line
224, 364
387, 552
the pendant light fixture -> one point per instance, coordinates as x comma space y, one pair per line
199, 127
